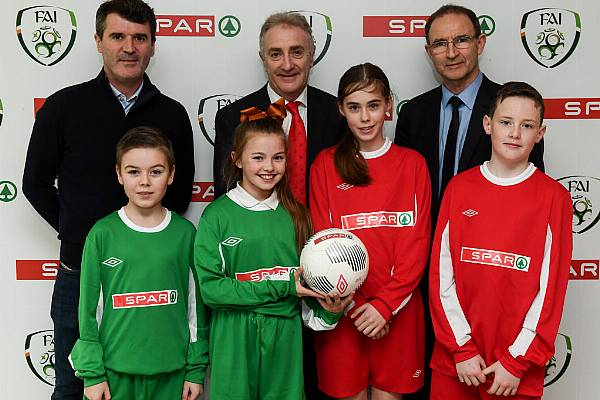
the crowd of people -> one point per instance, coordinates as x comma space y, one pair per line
463, 298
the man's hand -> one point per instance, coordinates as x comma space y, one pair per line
191, 390
335, 303
301, 290
470, 371
99, 391
505, 383
368, 320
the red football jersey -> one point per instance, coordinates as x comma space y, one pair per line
499, 272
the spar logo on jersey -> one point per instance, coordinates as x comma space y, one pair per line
496, 258
39, 353
322, 30
197, 25
585, 195
207, 110
559, 363
550, 35
46, 33
36, 270
394, 25
572, 108
396, 219
265, 274
144, 299
203, 192
584, 270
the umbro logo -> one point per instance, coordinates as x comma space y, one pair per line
344, 186
470, 212
112, 262
231, 241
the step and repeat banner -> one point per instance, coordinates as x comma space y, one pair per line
207, 57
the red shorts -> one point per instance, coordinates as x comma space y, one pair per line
348, 361
445, 387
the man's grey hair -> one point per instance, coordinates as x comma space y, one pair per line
290, 19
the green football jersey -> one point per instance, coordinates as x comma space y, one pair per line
245, 261
140, 311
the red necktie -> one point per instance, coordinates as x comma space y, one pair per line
296, 160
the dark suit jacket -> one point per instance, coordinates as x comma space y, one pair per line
418, 128
323, 128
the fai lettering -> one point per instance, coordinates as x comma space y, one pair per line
550, 18
45, 16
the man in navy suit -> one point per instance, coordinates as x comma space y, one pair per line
454, 43
287, 50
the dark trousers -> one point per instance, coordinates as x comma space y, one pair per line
65, 302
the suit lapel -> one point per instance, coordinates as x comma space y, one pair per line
432, 130
475, 132
263, 100
314, 123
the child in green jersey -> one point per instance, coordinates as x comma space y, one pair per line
246, 256
143, 326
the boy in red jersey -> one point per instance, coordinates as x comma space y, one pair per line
500, 263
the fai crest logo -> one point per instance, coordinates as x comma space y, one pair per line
46, 33
550, 35
585, 194
207, 110
558, 364
39, 353
322, 31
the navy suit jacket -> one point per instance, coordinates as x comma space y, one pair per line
418, 128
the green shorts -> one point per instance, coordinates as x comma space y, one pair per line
166, 386
255, 357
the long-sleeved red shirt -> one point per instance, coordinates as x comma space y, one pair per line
391, 215
499, 272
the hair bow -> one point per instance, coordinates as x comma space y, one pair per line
275, 110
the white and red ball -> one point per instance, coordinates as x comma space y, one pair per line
335, 262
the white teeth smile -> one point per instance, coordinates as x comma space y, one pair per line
267, 177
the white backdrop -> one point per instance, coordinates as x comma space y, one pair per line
217, 61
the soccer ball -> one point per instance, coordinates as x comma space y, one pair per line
335, 262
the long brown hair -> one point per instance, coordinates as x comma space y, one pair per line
233, 174
348, 161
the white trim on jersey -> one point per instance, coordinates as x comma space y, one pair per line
487, 174
448, 297
404, 302
314, 323
191, 309
100, 308
532, 318
144, 229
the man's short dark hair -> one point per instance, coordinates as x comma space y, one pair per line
132, 10
453, 9
518, 89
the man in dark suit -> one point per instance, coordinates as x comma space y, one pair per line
445, 124
286, 50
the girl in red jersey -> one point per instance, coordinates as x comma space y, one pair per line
381, 192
